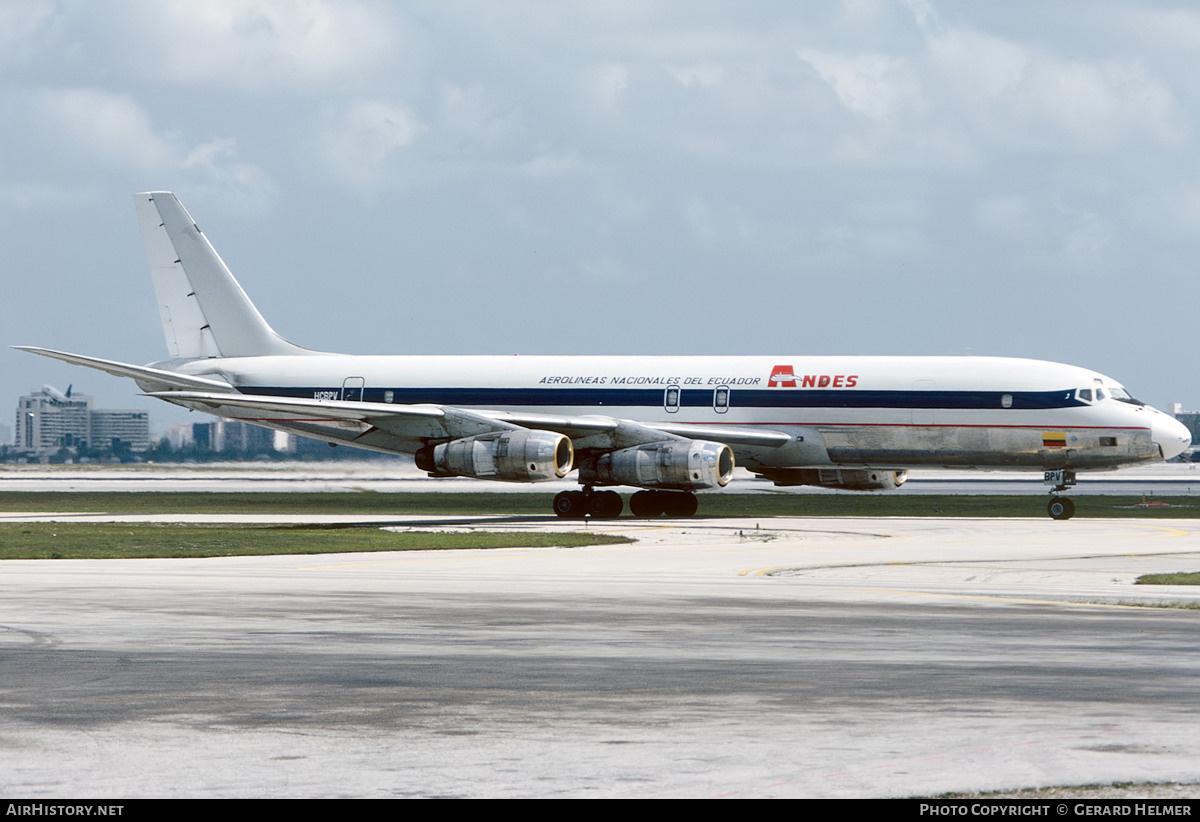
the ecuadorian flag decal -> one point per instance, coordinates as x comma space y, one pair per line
1054, 439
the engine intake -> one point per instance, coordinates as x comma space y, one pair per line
681, 465
515, 456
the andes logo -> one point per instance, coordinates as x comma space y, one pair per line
784, 376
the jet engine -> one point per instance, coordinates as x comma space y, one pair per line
681, 465
849, 479
518, 456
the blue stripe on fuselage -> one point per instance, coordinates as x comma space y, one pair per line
690, 398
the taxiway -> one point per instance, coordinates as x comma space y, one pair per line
786, 657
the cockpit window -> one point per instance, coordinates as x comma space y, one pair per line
1084, 394
1121, 394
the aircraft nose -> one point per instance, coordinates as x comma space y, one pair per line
1170, 435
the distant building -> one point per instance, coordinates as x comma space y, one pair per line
232, 437
178, 436
48, 421
1192, 420
120, 431
202, 435
240, 437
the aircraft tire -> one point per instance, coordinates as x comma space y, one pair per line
570, 504
1061, 508
646, 504
680, 504
606, 505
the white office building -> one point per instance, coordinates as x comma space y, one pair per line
49, 420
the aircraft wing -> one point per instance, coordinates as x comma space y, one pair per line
403, 428
402, 425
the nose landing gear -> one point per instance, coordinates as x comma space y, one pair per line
1060, 507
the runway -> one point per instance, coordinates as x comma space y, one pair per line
714, 658
400, 475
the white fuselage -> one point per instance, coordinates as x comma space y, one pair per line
881, 412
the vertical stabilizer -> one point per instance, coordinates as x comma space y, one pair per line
205, 313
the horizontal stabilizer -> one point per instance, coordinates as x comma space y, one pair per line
146, 376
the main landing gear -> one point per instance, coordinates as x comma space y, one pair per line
608, 504
1060, 507
580, 504
658, 503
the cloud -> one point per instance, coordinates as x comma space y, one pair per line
1025, 96
475, 117
551, 164
273, 45
876, 86
108, 127
85, 140
1047, 235
608, 83
31, 197
246, 186
699, 74
25, 27
465, 132
720, 224
360, 144
604, 272
960, 94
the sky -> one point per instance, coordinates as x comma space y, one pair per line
776, 178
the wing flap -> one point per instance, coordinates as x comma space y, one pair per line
730, 435
332, 409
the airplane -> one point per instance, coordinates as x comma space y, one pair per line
669, 426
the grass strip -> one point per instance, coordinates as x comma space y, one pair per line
1182, 578
105, 540
711, 505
